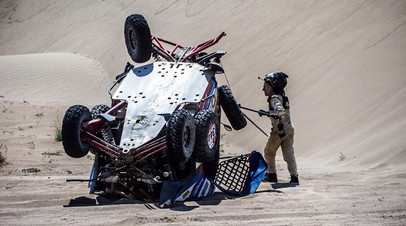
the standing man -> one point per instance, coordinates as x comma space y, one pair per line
282, 128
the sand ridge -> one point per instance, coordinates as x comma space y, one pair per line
347, 89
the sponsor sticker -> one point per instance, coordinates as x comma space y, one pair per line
213, 101
197, 188
277, 104
211, 138
206, 185
186, 194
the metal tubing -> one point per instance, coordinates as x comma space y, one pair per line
115, 148
204, 46
102, 148
101, 144
150, 144
97, 124
195, 50
267, 114
152, 153
166, 41
174, 49
147, 151
255, 125
161, 48
113, 111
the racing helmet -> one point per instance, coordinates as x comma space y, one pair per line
277, 79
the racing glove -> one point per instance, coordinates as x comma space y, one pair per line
275, 116
268, 113
281, 131
263, 112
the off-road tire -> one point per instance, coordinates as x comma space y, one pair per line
180, 138
207, 135
231, 108
74, 117
99, 109
106, 133
137, 38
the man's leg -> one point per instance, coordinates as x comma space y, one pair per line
270, 151
289, 157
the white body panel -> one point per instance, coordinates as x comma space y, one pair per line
153, 89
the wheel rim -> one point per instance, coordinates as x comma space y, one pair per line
132, 40
186, 137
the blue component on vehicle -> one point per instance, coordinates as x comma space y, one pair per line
210, 103
169, 191
195, 186
258, 168
198, 187
93, 174
241, 175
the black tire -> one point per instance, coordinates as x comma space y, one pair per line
74, 117
98, 109
106, 133
180, 138
210, 167
207, 135
137, 38
231, 108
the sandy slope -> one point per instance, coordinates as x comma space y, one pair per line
347, 88
50, 78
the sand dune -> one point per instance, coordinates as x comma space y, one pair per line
346, 86
48, 78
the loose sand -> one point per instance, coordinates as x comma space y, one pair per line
346, 61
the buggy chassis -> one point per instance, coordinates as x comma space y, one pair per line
95, 126
159, 140
125, 161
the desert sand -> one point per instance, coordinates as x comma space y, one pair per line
346, 62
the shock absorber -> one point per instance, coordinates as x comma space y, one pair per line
108, 135
167, 167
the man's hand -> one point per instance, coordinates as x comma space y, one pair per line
275, 116
263, 112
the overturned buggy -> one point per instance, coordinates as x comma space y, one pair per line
159, 140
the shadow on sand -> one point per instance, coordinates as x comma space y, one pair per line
213, 200
99, 201
84, 201
284, 185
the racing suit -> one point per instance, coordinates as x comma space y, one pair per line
280, 135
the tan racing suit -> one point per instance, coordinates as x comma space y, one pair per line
276, 106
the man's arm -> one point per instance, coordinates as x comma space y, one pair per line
277, 105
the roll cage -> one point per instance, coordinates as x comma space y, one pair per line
188, 54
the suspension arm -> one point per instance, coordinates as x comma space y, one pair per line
101, 144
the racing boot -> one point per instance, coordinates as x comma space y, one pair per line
294, 179
270, 177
